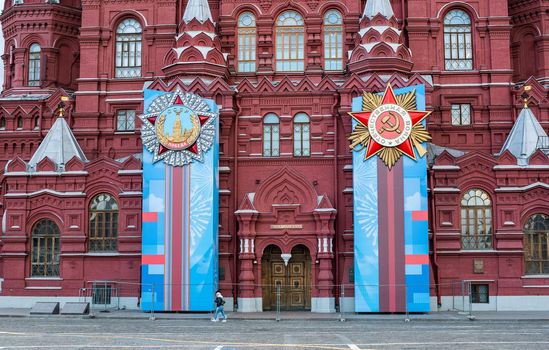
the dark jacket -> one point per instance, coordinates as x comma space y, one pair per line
219, 302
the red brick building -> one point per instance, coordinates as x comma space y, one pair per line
284, 74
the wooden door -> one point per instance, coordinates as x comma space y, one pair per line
293, 279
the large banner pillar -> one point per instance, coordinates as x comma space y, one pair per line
180, 202
391, 247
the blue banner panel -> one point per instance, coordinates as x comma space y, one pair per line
180, 202
391, 245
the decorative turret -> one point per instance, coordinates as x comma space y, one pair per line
198, 48
527, 135
59, 146
380, 45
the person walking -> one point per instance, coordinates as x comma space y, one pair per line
219, 302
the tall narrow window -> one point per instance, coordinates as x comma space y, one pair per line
302, 143
36, 122
476, 220
2, 123
458, 46
536, 245
19, 123
128, 49
34, 65
333, 40
125, 120
45, 249
103, 224
290, 42
271, 136
246, 42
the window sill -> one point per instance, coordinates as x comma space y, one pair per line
43, 279
535, 277
478, 251
121, 132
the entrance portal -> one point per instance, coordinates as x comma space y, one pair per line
294, 279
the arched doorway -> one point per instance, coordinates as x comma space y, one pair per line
294, 279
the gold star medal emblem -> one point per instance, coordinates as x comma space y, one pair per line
389, 126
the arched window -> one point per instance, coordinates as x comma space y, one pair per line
19, 123
34, 65
536, 245
290, 42
458, 45
128, 49
103, 224
333, 40
476, 220
2, 123
302, 143
45, 249
246, 42
271, 135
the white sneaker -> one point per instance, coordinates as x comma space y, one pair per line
213, 320
225, 320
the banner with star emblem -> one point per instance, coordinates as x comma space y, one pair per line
180, 201
391, 246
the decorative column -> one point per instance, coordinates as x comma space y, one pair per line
324, 214
247, 217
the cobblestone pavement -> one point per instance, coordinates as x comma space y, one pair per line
78, 333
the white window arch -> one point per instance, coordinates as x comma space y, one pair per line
333, 40
247, 33
271, 135
458, 42
302, 139
290, 42
128, 49
34, 65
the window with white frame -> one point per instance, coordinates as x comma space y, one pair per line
333, 40
271, 135
125, 120
128, 49
246, 42
34, 65
290, 42
461, 114
476, 220
458, 45
302, 139
103, 224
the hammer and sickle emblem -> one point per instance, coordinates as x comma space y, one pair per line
390, 123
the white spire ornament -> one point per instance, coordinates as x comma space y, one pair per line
199, 9
374, 7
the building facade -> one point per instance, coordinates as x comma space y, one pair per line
283, 73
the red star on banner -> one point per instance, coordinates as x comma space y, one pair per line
374, 147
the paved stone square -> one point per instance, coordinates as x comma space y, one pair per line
80, 333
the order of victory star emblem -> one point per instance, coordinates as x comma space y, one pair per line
178, 128
389, 126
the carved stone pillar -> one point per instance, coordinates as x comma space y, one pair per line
325, 216
247, 217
